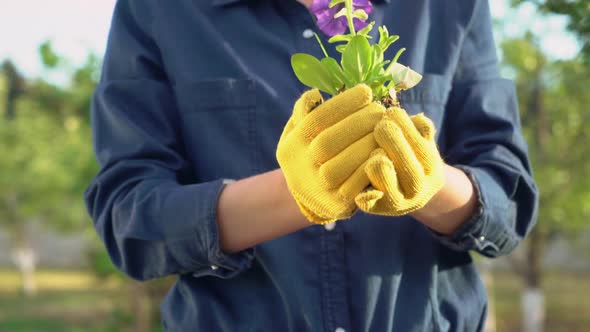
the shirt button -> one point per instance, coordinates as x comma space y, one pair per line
339, 329
214, 267
307, 33
330, 226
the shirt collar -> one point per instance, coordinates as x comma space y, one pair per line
229, 2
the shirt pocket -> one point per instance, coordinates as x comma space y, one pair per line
429, 97
218, 121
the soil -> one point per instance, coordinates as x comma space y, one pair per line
388, 102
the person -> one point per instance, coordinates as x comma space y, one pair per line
195, 104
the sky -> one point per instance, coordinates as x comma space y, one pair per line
77, 27
554, 39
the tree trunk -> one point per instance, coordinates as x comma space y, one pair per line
533, 310
14, 89
485, 268
140, 306
532, 301
25, 259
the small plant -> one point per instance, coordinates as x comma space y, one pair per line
361, 61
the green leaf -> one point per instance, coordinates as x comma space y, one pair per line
377, 72
377, 54
379, 92
48, 56
398, 54
335, 2
376, 86
380, 78
385, 40
341, 12
357, 58
395, 58
341, 48
377, 63
340, 38
310, 71
348, 83
360, 14
365, 31
390, 40
383, 33
332, 67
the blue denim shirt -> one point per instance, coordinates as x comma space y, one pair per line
197, 91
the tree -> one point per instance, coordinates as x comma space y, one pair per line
552, 100
46, 157
14, 87
577, 12
47, 162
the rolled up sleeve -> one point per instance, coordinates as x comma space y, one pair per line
153, 221
484, 138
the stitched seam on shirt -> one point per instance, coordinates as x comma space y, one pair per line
252, 136
330, 292
324, 290
434, 312
468, 28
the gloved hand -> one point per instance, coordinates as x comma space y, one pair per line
407, 171
323, 150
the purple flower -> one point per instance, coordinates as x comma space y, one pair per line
337, 26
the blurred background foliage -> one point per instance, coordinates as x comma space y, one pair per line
47, 161
552, 98
577, 11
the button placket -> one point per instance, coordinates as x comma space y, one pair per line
334, 282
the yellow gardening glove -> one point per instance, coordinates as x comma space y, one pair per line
407, 171
323, 151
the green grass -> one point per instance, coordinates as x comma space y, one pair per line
55, 280
568, 308
72, 301
64, 310
68, 301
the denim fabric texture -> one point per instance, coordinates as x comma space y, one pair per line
194, 92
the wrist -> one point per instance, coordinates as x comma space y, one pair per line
286, 201
452, 206
255, 210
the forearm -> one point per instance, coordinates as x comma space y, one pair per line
453, 205
255, 210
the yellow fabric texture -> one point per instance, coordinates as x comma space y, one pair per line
407, 170
324, 148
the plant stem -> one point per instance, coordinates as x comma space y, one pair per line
398, 54
348, 4
394, 61
321, 45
